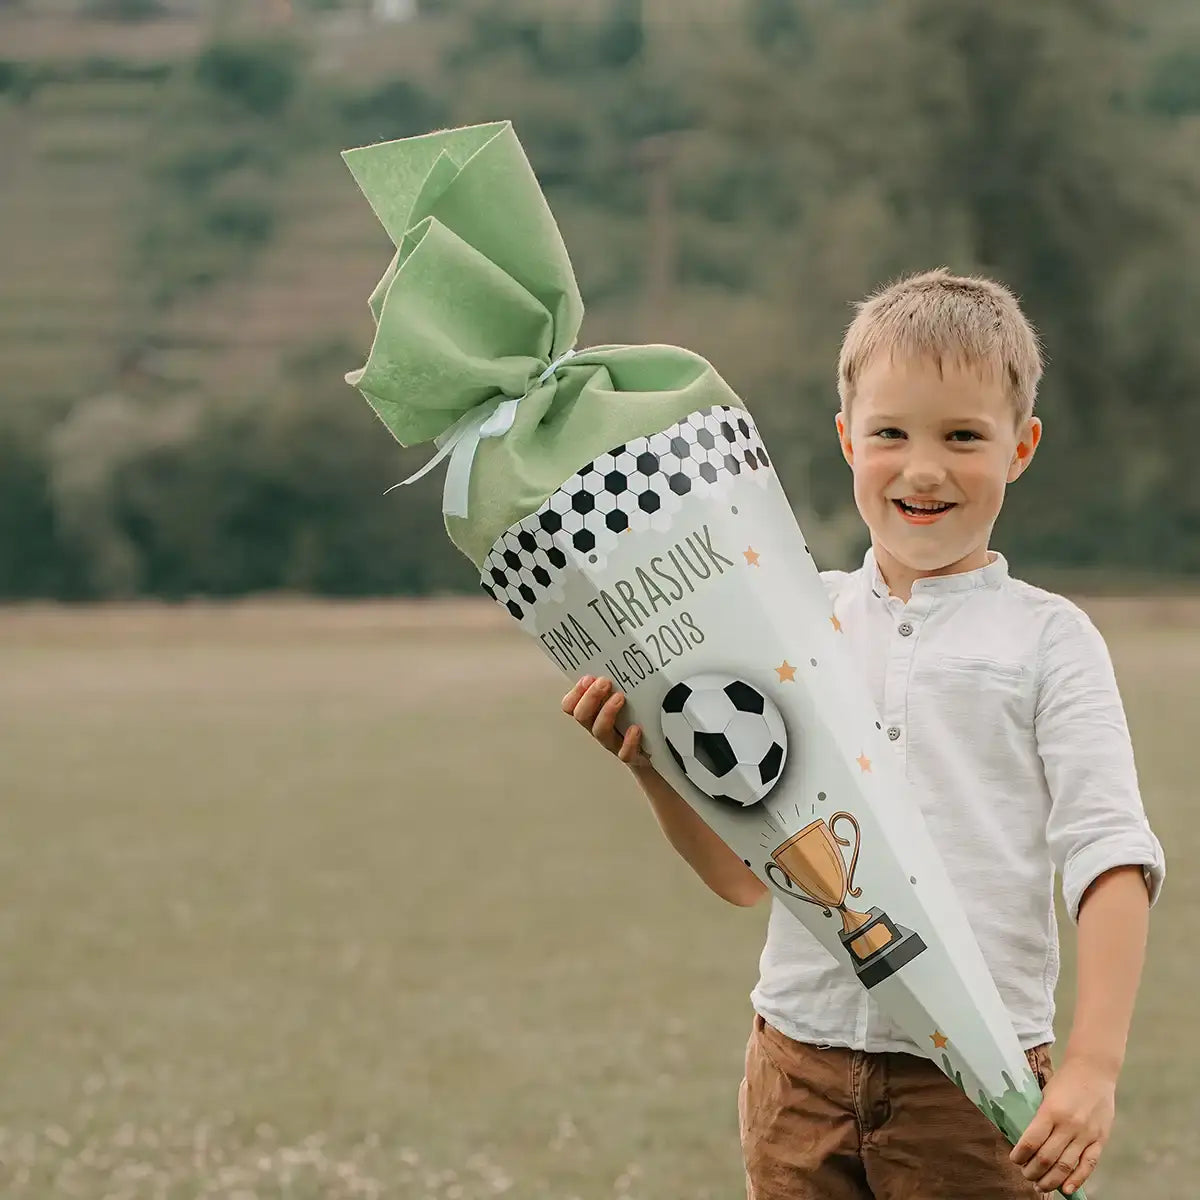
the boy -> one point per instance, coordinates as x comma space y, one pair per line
1001, 700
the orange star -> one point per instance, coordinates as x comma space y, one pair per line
864, 762
836, 623
939, 1039
787, 673
751, 556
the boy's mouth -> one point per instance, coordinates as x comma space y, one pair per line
924, 513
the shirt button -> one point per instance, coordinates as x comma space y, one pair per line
906, 629
894, 732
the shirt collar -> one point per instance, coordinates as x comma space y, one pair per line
991, 576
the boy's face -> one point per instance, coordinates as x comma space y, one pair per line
932, 454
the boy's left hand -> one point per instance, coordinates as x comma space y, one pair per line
1062, 1145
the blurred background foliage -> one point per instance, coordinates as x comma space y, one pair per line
186, 261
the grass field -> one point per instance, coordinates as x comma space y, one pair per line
328, 901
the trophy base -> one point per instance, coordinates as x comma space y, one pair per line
900, 948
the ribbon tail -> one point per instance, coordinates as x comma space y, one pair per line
433, 462
458, 475
447, 440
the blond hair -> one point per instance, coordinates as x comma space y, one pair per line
935, 315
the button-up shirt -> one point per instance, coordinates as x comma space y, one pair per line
1000, 700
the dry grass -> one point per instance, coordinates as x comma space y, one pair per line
306, 900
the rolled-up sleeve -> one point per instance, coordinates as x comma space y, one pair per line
1096, 821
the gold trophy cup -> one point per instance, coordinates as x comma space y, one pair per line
814, 871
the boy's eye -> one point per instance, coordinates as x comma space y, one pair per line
892, 434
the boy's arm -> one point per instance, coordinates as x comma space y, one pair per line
1062, 1145
1114, 920
699, 846
595, 706
1112, 870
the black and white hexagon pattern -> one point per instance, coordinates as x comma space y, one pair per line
639, 485
727, 737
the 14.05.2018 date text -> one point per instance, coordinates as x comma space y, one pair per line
668, 642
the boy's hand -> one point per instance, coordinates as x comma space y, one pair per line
1062, 1145
596, 706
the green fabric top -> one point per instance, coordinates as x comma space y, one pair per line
479, 299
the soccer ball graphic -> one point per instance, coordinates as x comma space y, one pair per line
727, 737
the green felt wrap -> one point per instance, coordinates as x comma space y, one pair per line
478, 300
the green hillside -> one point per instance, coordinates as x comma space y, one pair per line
76, 191
70, 185
184, 260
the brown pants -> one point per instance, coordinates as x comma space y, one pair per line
844, 1125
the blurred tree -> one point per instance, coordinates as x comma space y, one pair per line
87, 453
261, 77
124, 10
620, 37
33, 560
224, 134
392, 109
985, 137
1174, 85
241, 496
778, 27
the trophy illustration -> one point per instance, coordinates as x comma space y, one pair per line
811, 860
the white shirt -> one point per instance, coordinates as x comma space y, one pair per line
1000, 700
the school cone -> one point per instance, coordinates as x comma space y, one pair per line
622, 507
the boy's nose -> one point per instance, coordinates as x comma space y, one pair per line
924, 477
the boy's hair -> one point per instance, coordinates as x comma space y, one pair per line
974, 322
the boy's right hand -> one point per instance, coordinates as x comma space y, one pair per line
596, 705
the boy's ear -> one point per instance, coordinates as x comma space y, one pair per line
843, 431
1028, 441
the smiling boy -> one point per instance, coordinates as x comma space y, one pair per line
1000, 699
